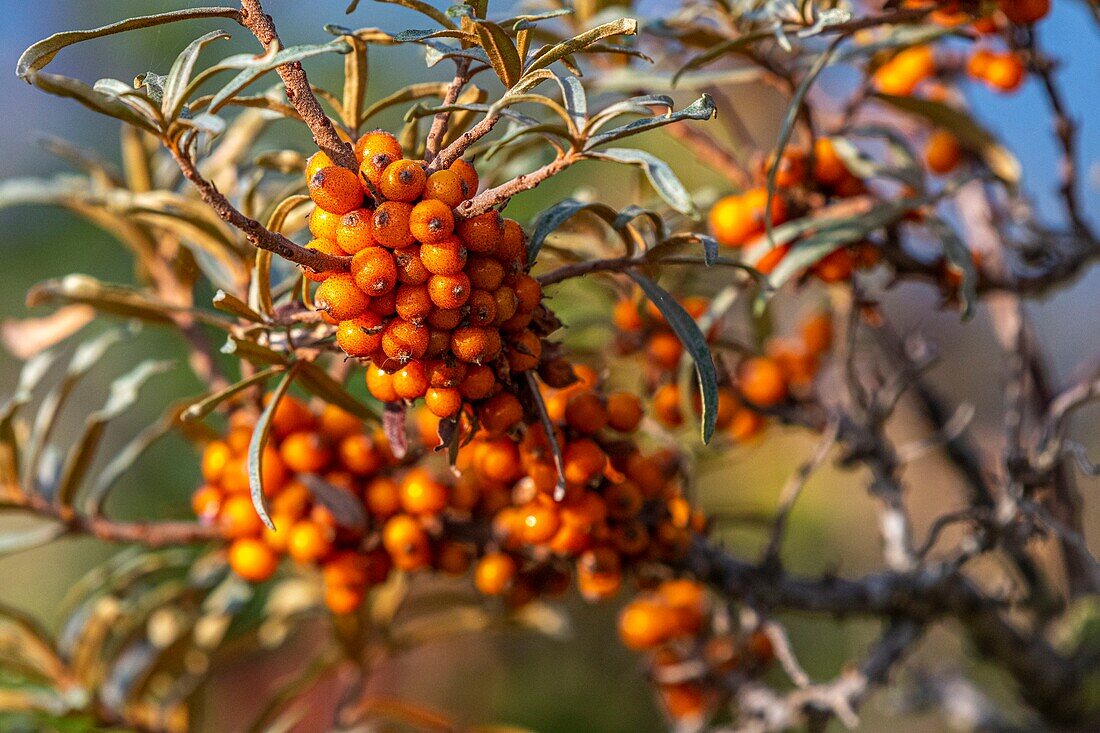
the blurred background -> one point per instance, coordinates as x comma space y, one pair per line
586, 682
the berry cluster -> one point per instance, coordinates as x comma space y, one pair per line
440, 305
693, 655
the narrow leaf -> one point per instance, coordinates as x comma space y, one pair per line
502, 52
263, 66
549, 54
659, 173
256, 447
180, 74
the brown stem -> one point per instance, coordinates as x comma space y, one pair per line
442, 119
454, 151
256, 234
298, 90
490, 198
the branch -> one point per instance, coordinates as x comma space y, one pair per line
454, 151
298, 91
256, 234
488, 199
442, 119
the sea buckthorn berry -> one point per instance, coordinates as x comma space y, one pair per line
835, 267
482, 233
482, 308
1024, 12
420, 493
479, 383
506, 304
666, 406
443, 402
624, 412
512, 249
291, 415
1005, 72
305, 452
524, 351
445, 319
375, 143
316, 162
746, 425
323, 224
624, 501
308, 541
238, 517
829, 168
324, 246
817, 333
540, 522
403, 180
583, 460
942, 153
665, 349
756, 206
410, 267
340, 297
771, 259
493, 573
445, 186
336, 189
406, 541
684, 700
391, 225
382, 497
252, 559
454, 558
215, 457
374, 270
445, 372
449, 291
342, 599
791, 169
645, 624
501, 413
413, 302
431, 221
729, 222
444, 257
355, 231
384, 305
410, 381
626, 317
900, 75
762, 382
380, 384
403, 340
499, 461
467, 176
585, 412
485, 273
206, 502
475, 345
360, 455
528, 292
978, 63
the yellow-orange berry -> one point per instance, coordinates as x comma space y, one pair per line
316, 162
762, 382
323, 224
431, 221
355, 231
729, 222
524, 351
336, 189
493, 573
443, 402
583, 460
817, 333
500, 413
382, 497
835, 267
420, 493
467, 176
482, 233
585, 413
666, 406
340, 297
252, 559
403, 180
474, 344
645, 624
378, 142
942, 153
626, 317
305, 452
410, 381
444, 186
512, 248
624, 412
360, 336
479, 383
380, 384
506, 303
445, 257
829, 168
445, 319
374, 270
406, 541
403, 340
308, 541
238, 517
449, 291
664, 349
391, 225
410, 267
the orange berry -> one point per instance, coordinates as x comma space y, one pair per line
625, 316
762, 382
817, 333
624, 412
449, 291
359, 455
942, 153
374, 270
340, 297
683, 700
445, 186
493, 573
308, 541
323, 224
771, 259
431, 221
666, 406
624, 501
443, 402
485, 273
305, 452
324, 246
664, 349
585, 412
729, 221
1024, 12
829, 168
403, 340
583, 460
467, 176
445, 372
384, 305
1005, 72
791, 170
403, 180
355, 231
539, 522
755, 202
391, 225
524, 351
475, 345
645, 624
382, 497
406, 541
336, 189
445, 319
206, 502
420, 493
500, 413
252, 559
378, 143
746, 424
316, 162
900, 75
482, 308
527, 290
444, 257
380, 384
482, 233
341, 599
512, 249
410, 266
360, 336
413, 303
978, 63
499, 461
215, 457
835, 267
478, 383
410, 381
238, 517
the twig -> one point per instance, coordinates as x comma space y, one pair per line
454, 151
525, 182
439, 124
298, 91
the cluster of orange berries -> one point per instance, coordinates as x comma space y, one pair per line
675, 624
440, 305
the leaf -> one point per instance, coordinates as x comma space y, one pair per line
179, 76
424, 8
205, 406
346, 509
107, 104
13, 541
252, 351
549, 54
264, 65
256, 447
123, 395
29, 377
659, 173
409, 93
227, 303
695, 343
553, 217
701, 109
719, 50
970, 134
959, 255
414, 35
26, 337
502, 52
393, 425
